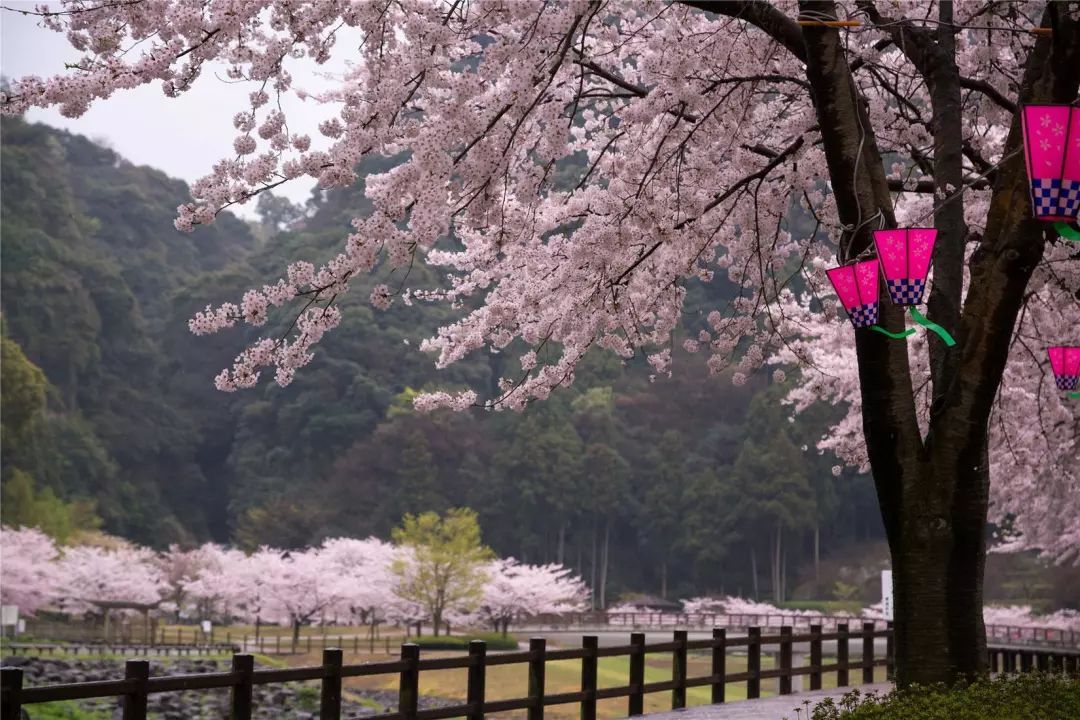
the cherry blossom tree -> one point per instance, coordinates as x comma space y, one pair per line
237, 584
121, 578
181, 568
695, 130
299, 586
203, 577
122, 574
517, 590
363, 569
28, 573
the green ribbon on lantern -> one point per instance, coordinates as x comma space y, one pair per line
894, 336
1075, 395
932, 326
1067, 231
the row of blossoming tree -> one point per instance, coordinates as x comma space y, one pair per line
341, 581
691, 130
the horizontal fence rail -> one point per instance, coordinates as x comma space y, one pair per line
91, 649
597, 620
137, 684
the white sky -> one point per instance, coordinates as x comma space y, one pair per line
182, 136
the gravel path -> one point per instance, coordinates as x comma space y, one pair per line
772, 708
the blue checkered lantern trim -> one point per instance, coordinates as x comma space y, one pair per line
1068, 382
1055, 197
906, 291
864, 315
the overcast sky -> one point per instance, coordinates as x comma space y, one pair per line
182, 136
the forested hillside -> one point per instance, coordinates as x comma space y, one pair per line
687, 484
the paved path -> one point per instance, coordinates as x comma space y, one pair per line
771, 708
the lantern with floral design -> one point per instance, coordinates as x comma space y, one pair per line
1065, 362
905, 256
1052, 149
856, 285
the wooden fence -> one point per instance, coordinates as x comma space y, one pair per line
601, 620
137, 684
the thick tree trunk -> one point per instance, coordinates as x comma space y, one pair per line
817, 553
933, 491
295, 633
663, 579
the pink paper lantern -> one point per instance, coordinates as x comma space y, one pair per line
905, 259
857, 287
1052, 149
1065, 361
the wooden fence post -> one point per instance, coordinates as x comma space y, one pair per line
11, 680
135, 702
868, 652
815, 656
474, 694
588, 677
719, 664
635, 703
1025, 661
784, 681
753, 663
330, 697
409, 682
241, 691
842, 654
678, 671
1009, 660
890, 653
356, 644
537, 665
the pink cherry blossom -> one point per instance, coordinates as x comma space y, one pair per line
28, 573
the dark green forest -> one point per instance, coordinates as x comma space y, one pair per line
679, 486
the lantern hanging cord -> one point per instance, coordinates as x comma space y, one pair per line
955, 194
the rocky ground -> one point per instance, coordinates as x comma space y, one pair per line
298, 701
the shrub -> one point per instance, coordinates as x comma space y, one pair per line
1032, 696
495, 641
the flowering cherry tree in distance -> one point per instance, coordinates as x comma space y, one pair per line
126, 574
28, 572
516, 590
363, 569
694, 129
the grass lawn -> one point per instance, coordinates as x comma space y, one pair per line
505, 682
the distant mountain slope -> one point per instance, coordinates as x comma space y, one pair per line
660, 481
90, 266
